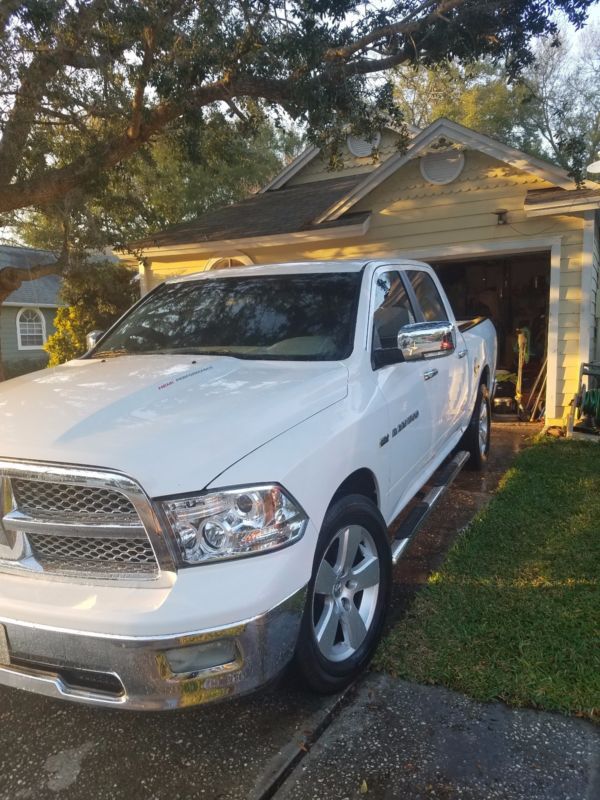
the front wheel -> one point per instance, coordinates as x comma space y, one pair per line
476, 439
347, 597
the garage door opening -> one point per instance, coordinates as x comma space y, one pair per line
513, 291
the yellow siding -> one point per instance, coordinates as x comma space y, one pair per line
410, 215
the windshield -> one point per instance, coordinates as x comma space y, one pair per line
307, 317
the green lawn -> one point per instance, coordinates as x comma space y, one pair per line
515, 612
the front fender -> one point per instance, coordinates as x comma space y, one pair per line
312, 459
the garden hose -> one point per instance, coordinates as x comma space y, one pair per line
588, 403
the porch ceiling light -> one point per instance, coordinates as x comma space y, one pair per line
501, 215
594, 168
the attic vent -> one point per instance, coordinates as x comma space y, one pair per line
361, 148
442, 167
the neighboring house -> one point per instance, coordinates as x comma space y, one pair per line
27, 315
509, 235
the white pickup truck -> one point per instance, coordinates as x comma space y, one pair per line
206, 494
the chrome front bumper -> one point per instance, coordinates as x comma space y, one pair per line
134, 673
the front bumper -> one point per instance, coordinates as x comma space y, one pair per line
134, 673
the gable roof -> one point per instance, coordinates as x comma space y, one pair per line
458, 134
295, 165
41, 291
306, 156
322, 209
287, 210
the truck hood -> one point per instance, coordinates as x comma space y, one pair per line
173, 423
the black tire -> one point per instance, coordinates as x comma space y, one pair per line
471, 441
353, 513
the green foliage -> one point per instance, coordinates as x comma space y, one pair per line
477, 96
551, 111
168, 181
96, 293
86, 85
514, 612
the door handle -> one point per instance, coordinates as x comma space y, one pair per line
429, 374
462, 353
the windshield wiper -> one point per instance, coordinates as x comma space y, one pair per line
175, 352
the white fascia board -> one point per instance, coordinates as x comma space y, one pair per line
306, 156
298, 163
275, 240
460, 135
562, 207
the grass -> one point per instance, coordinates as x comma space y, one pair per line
515, 612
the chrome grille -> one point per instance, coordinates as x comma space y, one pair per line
92, 552
77, 523
35, 496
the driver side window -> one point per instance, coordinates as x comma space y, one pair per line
393, 310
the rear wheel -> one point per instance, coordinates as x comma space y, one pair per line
347, 596
476, 439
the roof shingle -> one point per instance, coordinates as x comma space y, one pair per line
287, 210
41, 291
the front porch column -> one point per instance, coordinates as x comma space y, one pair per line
145, 271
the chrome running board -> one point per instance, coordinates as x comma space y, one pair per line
440, 482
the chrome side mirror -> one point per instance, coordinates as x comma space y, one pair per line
92, 339
426, 340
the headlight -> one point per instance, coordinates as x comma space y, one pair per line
233, 523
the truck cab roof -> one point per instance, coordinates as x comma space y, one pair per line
296, 267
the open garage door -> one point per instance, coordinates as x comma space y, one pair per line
514, 292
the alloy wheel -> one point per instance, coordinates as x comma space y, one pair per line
484, 426
345, 593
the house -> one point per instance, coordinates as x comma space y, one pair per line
509, 235
27, 315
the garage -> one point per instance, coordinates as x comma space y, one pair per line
510, 235
513, 291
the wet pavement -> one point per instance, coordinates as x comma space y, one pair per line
399, 741
235, 750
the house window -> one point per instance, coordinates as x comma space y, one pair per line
31, 329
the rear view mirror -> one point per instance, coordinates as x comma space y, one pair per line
426, 340
92, 339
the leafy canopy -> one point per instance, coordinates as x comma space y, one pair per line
552, 110
111, 75
172, 179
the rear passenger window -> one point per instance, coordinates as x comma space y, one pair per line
393, 310
428, 296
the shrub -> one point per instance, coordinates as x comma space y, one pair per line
95, 294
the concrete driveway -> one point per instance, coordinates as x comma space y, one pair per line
252, 748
